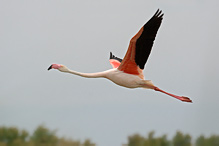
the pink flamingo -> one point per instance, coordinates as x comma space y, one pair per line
128, 72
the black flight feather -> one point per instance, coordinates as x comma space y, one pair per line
114, 57
145, 42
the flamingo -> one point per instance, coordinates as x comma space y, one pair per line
128, 72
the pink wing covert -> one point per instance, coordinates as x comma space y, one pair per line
114, 63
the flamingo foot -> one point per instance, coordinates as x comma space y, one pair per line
185, 99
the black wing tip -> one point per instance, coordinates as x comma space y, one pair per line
114, 57
158, 14
111, 55
149, 34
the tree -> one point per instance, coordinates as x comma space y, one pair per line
150, 140
200, 141
162, 141
87, 142
44, 137
41, 137
12, 136
3, 137
68, 142
181, 140
136, 140
213, 140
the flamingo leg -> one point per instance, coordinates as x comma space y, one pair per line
182, 98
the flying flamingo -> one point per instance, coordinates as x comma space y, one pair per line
129, 71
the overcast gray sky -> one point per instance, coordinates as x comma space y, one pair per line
80, 34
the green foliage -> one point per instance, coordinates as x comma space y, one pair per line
42, 136
12, 136
209, 141
88, 143
68, 142
201, 141
137, 140
181, 140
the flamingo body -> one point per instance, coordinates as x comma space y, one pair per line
128, 72
124, 79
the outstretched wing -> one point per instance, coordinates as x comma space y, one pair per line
140, 46
114, 61
145, 41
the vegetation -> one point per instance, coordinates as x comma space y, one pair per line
42, 136
137, 140
179, 139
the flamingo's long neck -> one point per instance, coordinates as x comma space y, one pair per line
88, 75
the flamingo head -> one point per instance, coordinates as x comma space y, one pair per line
60, 67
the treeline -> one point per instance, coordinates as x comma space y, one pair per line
42, 136
179, 139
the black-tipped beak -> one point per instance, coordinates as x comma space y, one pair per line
50, 67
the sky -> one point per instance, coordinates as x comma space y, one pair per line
81, 34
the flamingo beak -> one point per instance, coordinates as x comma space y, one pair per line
50, 67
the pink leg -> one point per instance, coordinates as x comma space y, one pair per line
182, 98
